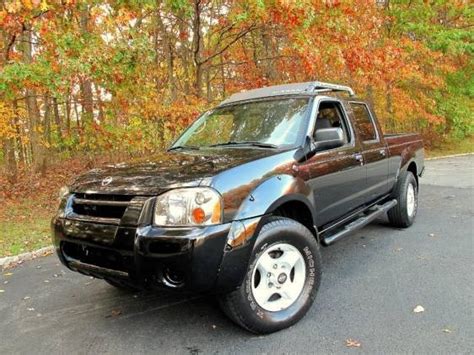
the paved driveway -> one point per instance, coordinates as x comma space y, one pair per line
372, 281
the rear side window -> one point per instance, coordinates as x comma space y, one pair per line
364, 122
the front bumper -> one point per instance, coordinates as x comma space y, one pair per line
187, 259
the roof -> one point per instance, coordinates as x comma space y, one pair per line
310, 87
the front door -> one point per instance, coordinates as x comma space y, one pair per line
337, 176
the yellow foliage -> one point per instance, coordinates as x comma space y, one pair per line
7, 115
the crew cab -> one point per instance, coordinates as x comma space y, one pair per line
239, 205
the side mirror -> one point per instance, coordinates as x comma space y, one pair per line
328, 138
306, 151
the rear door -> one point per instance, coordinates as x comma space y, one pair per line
337, 176
374, 151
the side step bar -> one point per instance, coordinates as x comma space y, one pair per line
375, 212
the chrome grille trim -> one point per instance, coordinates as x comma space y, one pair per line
82, 201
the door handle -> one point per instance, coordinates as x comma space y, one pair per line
382, 152
359, 157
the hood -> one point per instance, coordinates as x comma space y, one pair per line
163, 171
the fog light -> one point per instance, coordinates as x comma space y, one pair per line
173, 278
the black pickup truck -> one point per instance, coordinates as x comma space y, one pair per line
240, 203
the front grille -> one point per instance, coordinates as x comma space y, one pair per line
101, 208
90, 208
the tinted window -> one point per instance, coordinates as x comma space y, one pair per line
364, 123
330, 115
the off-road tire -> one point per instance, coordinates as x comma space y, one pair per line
398, 216
240, 305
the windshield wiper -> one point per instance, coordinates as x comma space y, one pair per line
191, 147
251, 143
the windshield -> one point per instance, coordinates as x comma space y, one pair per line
271, 123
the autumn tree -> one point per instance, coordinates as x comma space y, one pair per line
122, 78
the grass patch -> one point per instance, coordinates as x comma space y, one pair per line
452, 147
23, 230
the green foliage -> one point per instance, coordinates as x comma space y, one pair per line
456, 103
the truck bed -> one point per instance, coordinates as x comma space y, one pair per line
403, 146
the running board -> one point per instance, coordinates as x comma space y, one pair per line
375, 212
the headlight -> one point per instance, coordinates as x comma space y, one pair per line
197, 206
63, 191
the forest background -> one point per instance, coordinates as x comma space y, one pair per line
88, 82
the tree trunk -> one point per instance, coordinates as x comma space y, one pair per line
9, 154
208, 85
270, 72
47, 119
197, 48
222, 76
68, 113
184, 53
100, 105
57, 119
86, 84
34, 116
20, 147
169, 52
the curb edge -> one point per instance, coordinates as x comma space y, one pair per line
450, 156
12, 261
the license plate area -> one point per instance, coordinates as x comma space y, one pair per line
96, 256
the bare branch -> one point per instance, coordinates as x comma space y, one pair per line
228, 45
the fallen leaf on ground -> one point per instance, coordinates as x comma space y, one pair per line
2, 291
8, 274
352, 343
47, 252
114, 313
26, 298
431, 234
418, 309
447, 330
46, 281
30, 309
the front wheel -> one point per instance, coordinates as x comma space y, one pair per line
406, 193
282, 279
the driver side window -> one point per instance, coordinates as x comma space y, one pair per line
330, 115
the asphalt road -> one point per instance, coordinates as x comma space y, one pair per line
372, 281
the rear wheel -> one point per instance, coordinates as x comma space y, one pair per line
281, 281
406, 193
